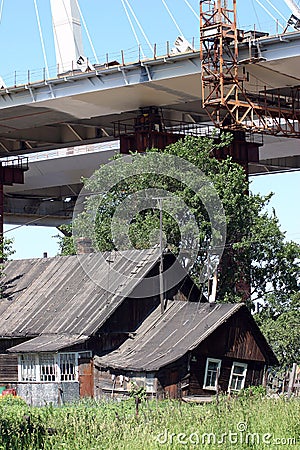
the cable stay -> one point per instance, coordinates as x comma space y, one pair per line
277, 10
1, 9
294, 20
269, 13
173, 18
132, 28
41, 38
140, 26
192, 9
87, 32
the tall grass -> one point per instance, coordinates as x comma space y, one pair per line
268, 423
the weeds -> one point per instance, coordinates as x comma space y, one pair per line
92, 425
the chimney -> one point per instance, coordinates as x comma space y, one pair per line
84, 245
45, 255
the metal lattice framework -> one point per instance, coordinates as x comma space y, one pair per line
224, 94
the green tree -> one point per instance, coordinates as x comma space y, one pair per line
256, 254
279, 320
66, 241
6, 249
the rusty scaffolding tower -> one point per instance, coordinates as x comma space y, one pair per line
226, 95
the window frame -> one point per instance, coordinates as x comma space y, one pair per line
21, 366
57, 358
208, 360
59, 362
243, 375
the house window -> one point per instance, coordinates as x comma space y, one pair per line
51, 367
27, 368
150, 382
237, 376
47, 365
68, 365
211, 370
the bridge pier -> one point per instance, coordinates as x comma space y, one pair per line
11, 172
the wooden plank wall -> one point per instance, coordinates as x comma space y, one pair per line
8, 368
232, 341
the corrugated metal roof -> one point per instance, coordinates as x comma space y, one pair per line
57, 296
163, 339
48, 343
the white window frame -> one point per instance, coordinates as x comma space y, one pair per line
52, 365
243, 375
56, 365
59, 372
208, 360
22, 369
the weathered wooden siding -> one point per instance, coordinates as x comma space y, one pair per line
232, 341
171, 378
253, 377
8, 368
130, 314
8, 362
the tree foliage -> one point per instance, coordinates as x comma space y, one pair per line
280, 323
256, 252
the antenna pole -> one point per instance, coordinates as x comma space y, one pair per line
161, 265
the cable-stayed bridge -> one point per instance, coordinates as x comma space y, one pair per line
99, 103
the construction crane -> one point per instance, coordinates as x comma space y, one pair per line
227, 95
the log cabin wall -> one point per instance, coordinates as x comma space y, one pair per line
8, 362
8, 368
173, 379
130, 314
234, 341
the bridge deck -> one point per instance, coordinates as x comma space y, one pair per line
81, 108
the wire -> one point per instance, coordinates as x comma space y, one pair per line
253, 6
268, 12
278, 12
191, 8
87, 33
139, 25
173, 18
1, 10
132, 28
41, 38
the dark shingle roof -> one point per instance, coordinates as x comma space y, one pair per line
162, 339
48, 343
56, 296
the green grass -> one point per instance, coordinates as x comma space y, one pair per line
268, 423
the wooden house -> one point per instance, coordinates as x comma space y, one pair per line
57, 313
74, 326
189, 351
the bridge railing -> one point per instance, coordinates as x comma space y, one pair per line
105, 60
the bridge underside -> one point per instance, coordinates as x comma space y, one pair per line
84, 108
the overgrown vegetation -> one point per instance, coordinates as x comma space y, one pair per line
258, 262
256, 252
165, 424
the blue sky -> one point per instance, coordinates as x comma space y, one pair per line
110, 32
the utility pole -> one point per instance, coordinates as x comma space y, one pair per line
161, 265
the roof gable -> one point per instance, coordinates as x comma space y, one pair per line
163, 339
57, 296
